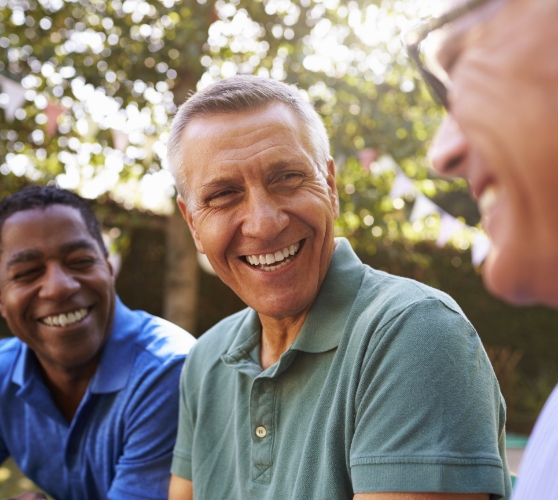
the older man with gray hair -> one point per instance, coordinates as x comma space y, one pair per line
338, 381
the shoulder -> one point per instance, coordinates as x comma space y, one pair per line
385, 299
159, 338
401, 318
399, 293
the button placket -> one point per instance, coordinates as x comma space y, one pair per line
262, 424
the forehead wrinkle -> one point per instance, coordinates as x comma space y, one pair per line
261, 153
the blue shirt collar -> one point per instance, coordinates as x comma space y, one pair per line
115, 364
117, 359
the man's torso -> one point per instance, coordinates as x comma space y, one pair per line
348, 407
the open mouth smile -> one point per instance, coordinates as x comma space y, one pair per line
273, 261
66, 319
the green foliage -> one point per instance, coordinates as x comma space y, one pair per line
89, 58
125, 65
13, 482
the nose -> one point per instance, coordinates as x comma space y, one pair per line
58, 283
448, 153
264, 217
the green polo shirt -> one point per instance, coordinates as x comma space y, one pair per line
387, 388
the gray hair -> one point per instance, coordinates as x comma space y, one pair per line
244, 93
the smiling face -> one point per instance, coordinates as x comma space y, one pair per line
500, 134
56, 287
259, 207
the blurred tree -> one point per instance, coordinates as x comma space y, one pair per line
101, 80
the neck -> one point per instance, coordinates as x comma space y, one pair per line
67, 386
278, 335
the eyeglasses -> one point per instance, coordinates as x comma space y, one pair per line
414, 38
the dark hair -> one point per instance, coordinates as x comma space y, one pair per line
32, 197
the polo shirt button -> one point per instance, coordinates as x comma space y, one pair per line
261, 431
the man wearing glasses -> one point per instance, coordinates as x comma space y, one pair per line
496, 72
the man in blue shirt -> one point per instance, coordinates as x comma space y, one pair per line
88, 388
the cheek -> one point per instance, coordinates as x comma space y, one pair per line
215, 232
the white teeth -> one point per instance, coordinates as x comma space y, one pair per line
281, 257
65, 319
488, 199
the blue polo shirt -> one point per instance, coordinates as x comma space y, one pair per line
119, 443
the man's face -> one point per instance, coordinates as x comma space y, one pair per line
502, 60
259, 207
56, 287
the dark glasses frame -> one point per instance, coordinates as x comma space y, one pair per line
413, 38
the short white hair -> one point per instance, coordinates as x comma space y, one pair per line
244, 93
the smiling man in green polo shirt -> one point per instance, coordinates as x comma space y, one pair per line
338, 381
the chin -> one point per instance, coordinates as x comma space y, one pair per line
518, 282
280, 309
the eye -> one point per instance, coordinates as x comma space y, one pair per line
83, 262
222, 197
289, 176
288, 180
27, 274
80, 260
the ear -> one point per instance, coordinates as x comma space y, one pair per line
2, 310
332, 186
186, 214
110, 267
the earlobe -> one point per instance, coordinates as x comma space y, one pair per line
332, 186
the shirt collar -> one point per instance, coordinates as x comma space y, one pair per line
325, 323
24, 365
118, 355
247, 337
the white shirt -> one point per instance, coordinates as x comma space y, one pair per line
538, 473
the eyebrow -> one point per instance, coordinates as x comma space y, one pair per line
24, 256
447, 47
32, 254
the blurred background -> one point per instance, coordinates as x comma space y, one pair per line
87, 92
